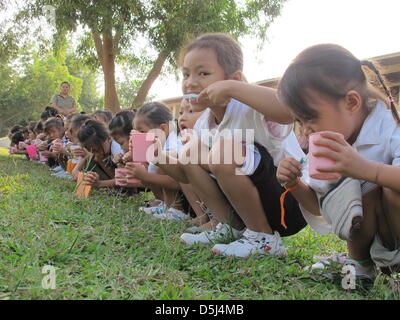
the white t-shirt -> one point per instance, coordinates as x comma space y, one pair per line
379, 140
279, 140
171, 143
116, 148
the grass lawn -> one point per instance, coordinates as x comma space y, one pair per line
103, 248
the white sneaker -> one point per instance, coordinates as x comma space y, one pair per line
362, 271
154, 210
57, 169
251, 243
222, 231
366, 271
172, 214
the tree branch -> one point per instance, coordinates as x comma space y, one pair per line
151, 77
118, 35
98, 44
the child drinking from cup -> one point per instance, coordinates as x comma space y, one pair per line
120, 128
156, 118
77, 151
328, 92
186, 121
95, 137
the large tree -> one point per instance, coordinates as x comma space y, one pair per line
114, 29
175, 22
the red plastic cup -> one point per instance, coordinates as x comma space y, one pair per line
141, 143
316, 163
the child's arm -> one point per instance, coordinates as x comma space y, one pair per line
140, 172
351, 164
171, 168
49, 154
262, 99
288, 173
79, 166
93, 179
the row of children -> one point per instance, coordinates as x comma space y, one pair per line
255, 191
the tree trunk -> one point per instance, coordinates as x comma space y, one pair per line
111, 101
106, 54
148, 82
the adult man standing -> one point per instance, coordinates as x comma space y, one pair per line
63, 102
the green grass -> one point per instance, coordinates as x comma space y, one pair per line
104, 249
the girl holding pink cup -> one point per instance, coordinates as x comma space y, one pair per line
153, 121
316, 163
328, 90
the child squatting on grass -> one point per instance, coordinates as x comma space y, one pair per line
327, 91
247, 204
156, 118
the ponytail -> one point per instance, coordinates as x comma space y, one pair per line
92, 133
370, 65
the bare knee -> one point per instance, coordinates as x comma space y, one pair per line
392, 198
225, 157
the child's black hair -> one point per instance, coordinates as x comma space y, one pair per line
121, 124
332, 71
16, 128
104, 114
32, 125
53, 122
17, 137
92, 133
48, 112
39, 127
228, 51
78, 120
155, 114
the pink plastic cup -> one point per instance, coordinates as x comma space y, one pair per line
121, 179
21, 145
73, 148
31, 150
316, 163
57, 146
42, 158
141, 142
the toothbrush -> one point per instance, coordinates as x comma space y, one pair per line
303, 161
190, 96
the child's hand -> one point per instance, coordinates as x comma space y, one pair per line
289, 170
127, 157
118, 158
216, 93
136, 170
80, 152
47, 154
74, 174
91, 179
42, 146
348, 162
41, 136
186, 135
